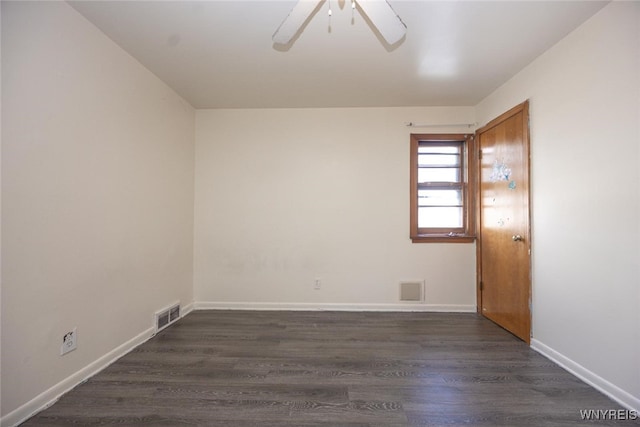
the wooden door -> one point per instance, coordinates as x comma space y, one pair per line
504, 244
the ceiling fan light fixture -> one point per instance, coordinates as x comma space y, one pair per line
379, 12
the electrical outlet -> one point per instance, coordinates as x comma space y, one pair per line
69, 342
317, 284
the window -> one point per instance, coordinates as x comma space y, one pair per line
442, 191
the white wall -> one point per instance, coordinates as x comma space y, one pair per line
585, 147
97, 199
287, 195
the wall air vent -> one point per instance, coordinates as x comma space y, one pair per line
164, 318
412, 291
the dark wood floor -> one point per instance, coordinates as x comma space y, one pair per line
247, 368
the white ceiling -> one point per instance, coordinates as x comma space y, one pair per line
219, 54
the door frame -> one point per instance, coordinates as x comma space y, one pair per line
524, 108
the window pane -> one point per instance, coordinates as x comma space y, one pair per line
432, 148
440, 198
438, 175
439, 217
438, 160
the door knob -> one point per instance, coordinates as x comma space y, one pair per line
517, 238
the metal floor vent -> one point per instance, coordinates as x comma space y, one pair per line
166, 317
412, 291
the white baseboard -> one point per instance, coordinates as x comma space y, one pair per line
621, 396
50, 396
210, 305
186, 309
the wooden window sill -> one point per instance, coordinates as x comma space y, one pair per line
440, 238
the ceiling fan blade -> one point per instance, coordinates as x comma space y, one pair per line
385, 19
294, 21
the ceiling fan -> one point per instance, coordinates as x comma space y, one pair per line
379, 12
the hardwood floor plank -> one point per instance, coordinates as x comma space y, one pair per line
250, 368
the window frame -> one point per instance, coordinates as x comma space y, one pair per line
466, 233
